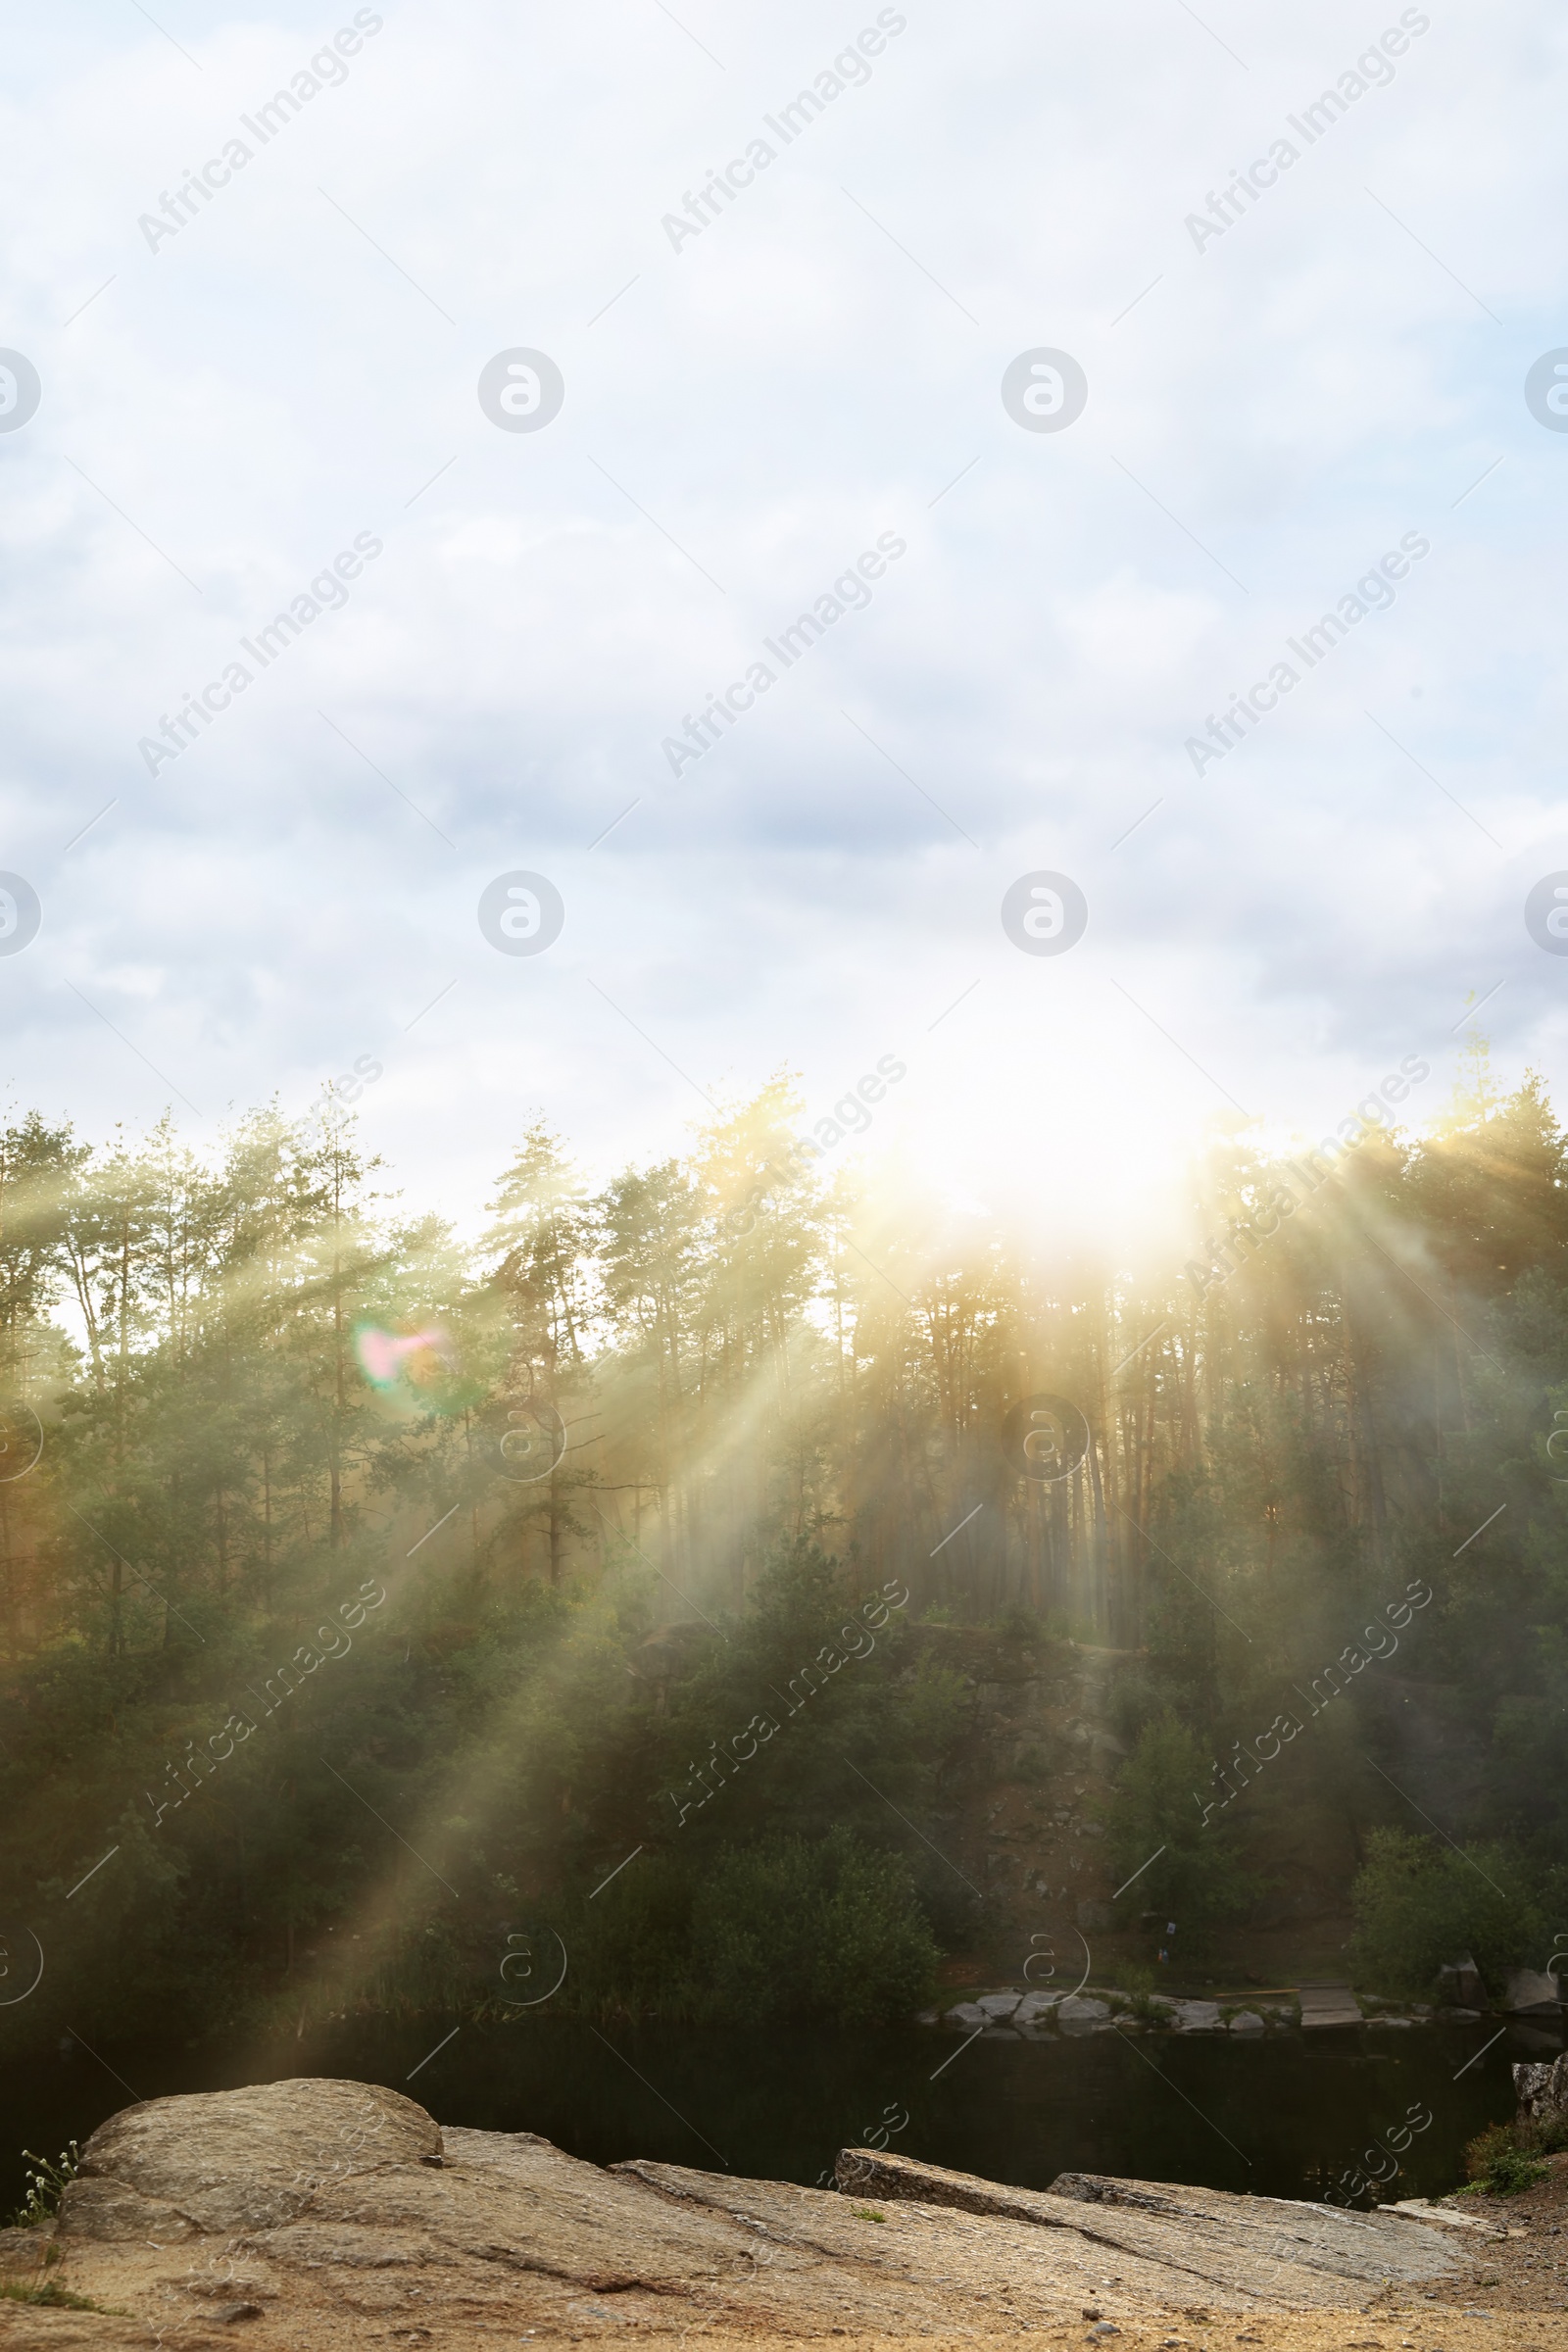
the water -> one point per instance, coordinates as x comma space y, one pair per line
1282, 2116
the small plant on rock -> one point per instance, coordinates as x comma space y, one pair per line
46, 2186
1142, 2001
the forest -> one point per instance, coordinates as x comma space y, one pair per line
385, 1608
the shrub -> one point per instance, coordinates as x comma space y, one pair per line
1419, 1904
1504, 2158
1139, 1982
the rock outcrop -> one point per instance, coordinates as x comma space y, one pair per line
311, 2215
1543, 2089
1530, 1990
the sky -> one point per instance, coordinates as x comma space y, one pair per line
1255, 407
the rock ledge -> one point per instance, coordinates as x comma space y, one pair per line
329, 2213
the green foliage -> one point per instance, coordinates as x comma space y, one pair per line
826, 1930
1139, 1980
855, 1727
1506, 2158
1196, 1877
1419, 1904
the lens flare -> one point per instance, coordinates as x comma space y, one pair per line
384, 1355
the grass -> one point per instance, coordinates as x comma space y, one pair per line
59, 2298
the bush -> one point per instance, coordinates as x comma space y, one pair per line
1506, 2158
1137, 1982
1420, 1904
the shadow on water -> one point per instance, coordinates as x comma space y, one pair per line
1282, 2117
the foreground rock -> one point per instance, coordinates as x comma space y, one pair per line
320, 2214
1543, 2090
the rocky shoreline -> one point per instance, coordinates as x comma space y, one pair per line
1035, 2016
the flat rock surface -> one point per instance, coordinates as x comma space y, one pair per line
1328, 2004
307, 2215
1245, 2252
1196, 2017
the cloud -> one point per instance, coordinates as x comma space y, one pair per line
299, 364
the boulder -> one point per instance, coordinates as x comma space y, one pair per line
1542, 2088
1526, 1988
1196, 2017
1247, 2020
999, 2005
23, 2245
250, 2159
1034, 2005
1461, 1985
1076, 2011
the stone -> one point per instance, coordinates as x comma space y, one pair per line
1247, 2020
1541, 2088
1238, 2252
508, 2239
1460, 1984
1034, 2005
1447, 2216
1074, 2010
1330, 2003
248, 2159
999, 2005
968, 2013
25, 2246
1196, 2017
1526, 1988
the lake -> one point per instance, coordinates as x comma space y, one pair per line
1280, 2116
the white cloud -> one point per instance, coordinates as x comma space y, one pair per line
740, 422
